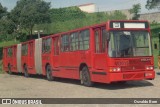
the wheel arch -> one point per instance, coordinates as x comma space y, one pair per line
9, 67
9, 64
82, 65
46, 65
24, 65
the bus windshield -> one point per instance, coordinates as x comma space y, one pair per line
129, 44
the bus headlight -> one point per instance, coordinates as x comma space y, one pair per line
149, 67
114, 69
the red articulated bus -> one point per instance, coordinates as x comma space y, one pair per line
115, 51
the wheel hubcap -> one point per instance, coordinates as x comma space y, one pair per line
49, 73
85, 79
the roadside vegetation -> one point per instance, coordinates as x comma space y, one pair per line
1, 70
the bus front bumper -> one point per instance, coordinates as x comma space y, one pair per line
129, 76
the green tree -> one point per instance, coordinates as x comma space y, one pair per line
6, 29
153, 4
27, 13
117, 15
6, 25
99, 16
136, 9
65, 14
3, 11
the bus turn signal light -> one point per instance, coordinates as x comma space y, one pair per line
148, 74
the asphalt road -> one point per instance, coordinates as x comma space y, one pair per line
17, 86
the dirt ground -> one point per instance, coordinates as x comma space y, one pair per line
17, 86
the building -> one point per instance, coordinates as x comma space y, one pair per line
89, 8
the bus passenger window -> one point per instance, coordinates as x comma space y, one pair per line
24, 49
46, 45
64, 43
84, 40
43, 46
10, 52
104, 39
97, 42
31, 49
56, 46
74, 41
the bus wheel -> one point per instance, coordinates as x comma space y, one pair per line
26, 74
49, 73
85, 77
9, 69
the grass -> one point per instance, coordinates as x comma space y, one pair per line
154, 26
1, 70
8, 43
155, 54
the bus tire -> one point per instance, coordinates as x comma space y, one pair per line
26, 74
9, 69
85, 77
49, 73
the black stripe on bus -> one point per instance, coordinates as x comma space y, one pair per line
99, 73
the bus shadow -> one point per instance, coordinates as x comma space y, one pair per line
112, 86
129, 84
30, 76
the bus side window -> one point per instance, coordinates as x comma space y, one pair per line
24, 49
31, 49
43, 45
48, 44
10, 52
100, 40
65, 43
56, 45
84, 38
97, 41
74, 41
104, 39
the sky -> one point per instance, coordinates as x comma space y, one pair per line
101, 5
